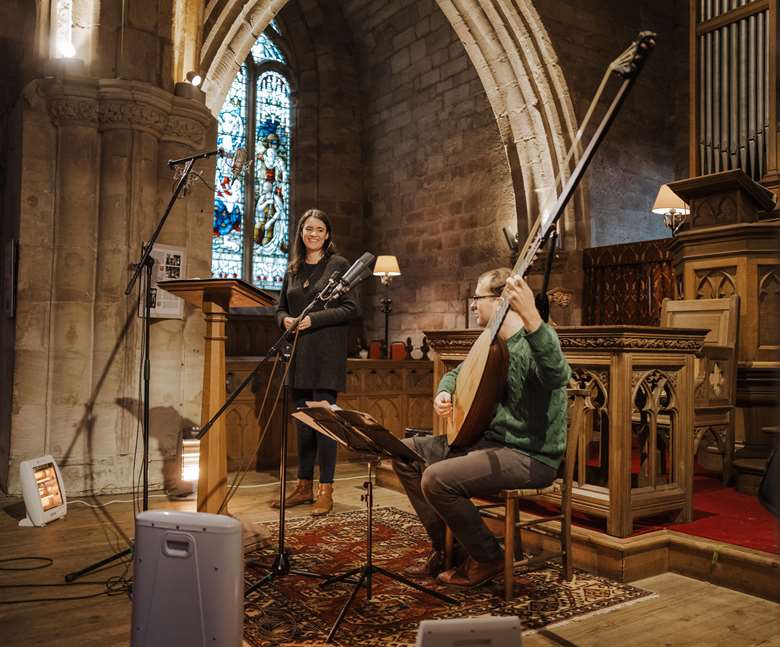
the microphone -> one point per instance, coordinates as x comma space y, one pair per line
197, 156
239, 161
359, 270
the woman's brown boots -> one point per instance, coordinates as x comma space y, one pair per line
303, 493
324, 503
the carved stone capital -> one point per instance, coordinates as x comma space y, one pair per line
134, 105
188, 123
71, 102
119, 114
120, 104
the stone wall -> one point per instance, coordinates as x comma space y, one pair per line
17, 28
396, 139
438, 188
93, 183
327, 171
648, 144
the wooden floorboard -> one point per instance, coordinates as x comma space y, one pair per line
684, 611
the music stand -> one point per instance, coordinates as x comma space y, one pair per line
360, 432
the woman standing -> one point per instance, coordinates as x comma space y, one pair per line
319, 367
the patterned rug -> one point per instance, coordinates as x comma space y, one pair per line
292, 610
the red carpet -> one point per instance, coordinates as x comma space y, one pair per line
723, 514
719, 513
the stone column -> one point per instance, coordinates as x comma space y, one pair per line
73, 109
95, 151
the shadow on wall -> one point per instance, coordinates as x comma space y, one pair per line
87, 422
165, 423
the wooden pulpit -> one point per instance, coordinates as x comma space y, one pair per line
215, 297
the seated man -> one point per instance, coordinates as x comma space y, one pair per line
521, 448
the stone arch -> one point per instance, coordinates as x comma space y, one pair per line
509, 47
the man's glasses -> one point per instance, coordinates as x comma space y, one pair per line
476, 297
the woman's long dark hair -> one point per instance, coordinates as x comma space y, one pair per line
299, 249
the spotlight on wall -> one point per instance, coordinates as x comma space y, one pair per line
194, 78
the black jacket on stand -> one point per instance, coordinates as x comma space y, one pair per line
320, 360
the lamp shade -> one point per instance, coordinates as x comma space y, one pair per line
667, 201
386, 266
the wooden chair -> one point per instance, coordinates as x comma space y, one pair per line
504, 507
715, 387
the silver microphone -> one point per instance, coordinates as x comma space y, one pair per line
239, 161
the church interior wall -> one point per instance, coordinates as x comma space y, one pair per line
396, 140
648, 144
437, 183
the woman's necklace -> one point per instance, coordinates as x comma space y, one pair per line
306, 282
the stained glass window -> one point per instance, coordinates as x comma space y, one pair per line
265, 50
272, 187
251, 214
227, 244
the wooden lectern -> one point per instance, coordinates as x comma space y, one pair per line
215, 297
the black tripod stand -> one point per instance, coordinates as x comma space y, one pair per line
146, 263
281, 563
335, 286
369, 568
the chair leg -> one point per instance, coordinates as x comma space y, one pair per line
519, 551
566, 561
510, 513
448, 542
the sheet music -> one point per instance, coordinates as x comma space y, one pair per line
311, 422
355, 429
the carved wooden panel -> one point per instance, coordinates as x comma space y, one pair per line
420, 381
654, 428
625, 284
716, 283
354, 380
715, 210
398, 394
389, 379
419, 412
640, 404
593, 465
387, 411
768, 305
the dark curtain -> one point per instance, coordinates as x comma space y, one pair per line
625, 284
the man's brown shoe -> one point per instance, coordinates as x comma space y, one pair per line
471, 573
431, 567
303, 493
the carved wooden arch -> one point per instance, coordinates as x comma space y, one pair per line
512, 53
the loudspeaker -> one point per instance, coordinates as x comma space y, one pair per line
188, 580
481, 631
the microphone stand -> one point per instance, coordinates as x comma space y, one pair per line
146, 264
281, 564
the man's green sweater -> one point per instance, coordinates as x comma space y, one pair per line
531, 415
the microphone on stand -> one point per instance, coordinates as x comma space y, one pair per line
197, 156
239, 161
360, 269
